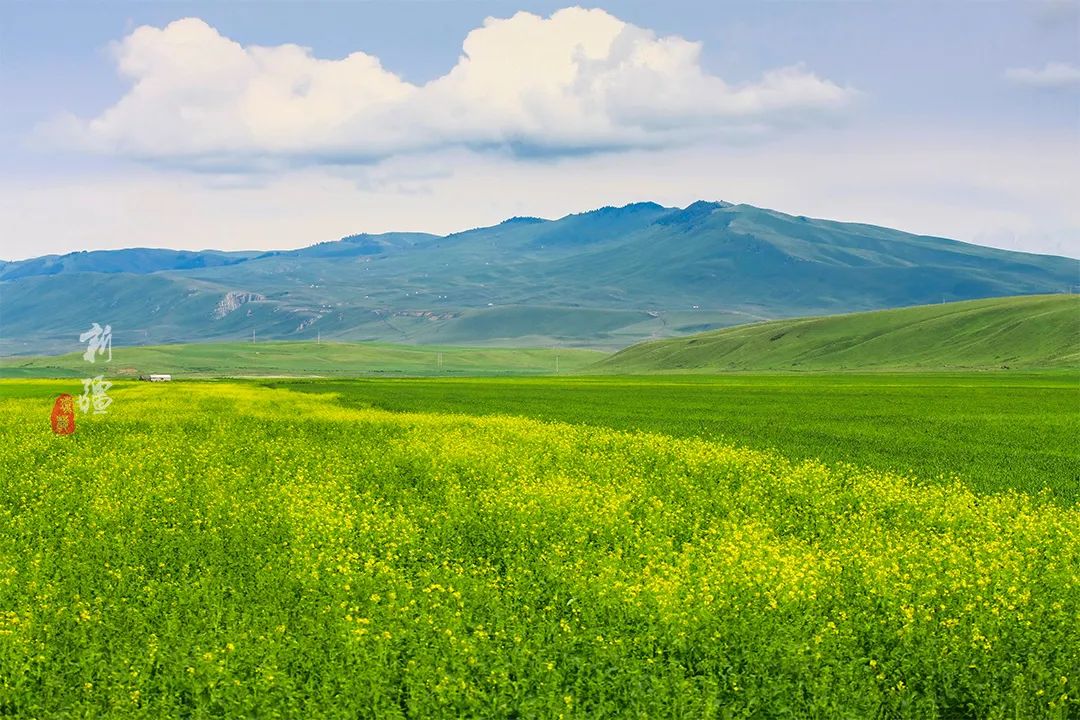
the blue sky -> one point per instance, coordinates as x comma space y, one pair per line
199, 125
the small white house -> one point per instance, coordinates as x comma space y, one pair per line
160, 378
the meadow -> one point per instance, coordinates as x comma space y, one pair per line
993, 431
223, 549
307, 359
1028, 331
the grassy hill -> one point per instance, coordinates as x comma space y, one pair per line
1041, 331
304, 358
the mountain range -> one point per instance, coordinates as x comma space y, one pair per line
605, 278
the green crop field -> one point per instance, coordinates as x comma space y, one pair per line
993, 431
231, 549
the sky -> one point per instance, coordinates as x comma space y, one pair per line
269, 125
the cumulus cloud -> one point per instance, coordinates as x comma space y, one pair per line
1052, 76
577, 81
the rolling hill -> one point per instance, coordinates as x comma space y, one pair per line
1014, 332
604, 279
1025, 333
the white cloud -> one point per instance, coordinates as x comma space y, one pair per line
1052, 76
576, 81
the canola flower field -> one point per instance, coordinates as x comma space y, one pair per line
230, 550
995, 431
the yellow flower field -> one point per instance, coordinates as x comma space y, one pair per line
228, 550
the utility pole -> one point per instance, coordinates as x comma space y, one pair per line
556, 362
252, 336
318, 340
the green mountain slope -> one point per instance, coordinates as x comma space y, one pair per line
1041, 331
604, 279
304, 358
131, 260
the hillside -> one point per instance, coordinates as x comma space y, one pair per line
603, 279
1014, 332
303, 358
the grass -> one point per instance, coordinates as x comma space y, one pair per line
230, 550
1038, 331
1031, 332
306, 358
994, 431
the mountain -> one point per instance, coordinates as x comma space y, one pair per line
1040, 331
134, 260
605, 278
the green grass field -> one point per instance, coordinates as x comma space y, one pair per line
994, 431
1035, 331
306, 358
227, 549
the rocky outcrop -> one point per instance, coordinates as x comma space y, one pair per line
234, 299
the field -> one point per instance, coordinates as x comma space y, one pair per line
230, 549
993, 431
308, 358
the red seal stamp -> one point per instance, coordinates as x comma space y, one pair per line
63, 415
